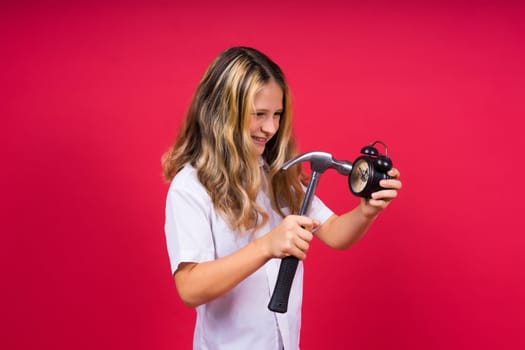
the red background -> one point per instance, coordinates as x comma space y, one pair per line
93, 94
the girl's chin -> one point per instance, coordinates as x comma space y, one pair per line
258, 150
259, 147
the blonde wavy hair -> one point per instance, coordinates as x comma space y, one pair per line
215, 140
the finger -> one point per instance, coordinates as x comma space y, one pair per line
384, 195
394, 173
391, 183
297, 252
308, 229
294, 250
307, 222
305, 234
302, 245
378, 203
300, 255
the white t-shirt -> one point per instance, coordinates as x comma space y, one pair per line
239, 319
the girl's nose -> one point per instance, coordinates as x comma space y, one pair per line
270, 125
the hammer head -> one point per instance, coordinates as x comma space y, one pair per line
319, 162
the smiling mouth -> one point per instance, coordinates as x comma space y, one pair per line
260, 140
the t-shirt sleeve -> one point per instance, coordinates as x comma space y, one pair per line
319, 211
187, 227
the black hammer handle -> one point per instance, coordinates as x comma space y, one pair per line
281, 292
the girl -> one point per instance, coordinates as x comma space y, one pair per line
229, 206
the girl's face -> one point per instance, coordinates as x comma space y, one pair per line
268, 104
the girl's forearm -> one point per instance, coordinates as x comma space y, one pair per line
341, 232
199, 283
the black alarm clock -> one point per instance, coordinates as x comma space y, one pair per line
370, 168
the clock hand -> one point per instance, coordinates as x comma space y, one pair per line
363, 174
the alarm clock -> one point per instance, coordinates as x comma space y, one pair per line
368, 169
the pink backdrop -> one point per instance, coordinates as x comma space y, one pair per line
92, 95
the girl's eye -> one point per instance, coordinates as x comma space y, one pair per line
263, 114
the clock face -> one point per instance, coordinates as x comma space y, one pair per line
360, 175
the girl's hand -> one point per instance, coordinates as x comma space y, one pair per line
381, 199
291, 237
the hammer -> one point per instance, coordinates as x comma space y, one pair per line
319, 162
